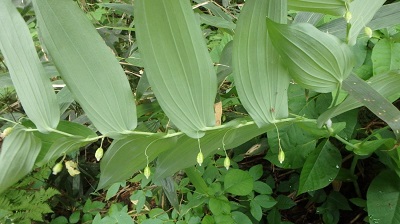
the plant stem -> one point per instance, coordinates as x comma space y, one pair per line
61, 132
345, 142
5, 119
352, 170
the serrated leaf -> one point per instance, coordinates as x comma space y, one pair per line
18, 155
332, 7
131, 150
383, 198
316, 60
87, 66
261, 79
177, 63
320, 168
362, 12
385, 56
33, 88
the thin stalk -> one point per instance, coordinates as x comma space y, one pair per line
352, 170
345, 142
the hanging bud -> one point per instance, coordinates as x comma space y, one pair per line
328, 123
6, 132
57, 168
368, 31
348, 16
200, 158
99, 154
72, 168
281, 156
227, 163
147, 172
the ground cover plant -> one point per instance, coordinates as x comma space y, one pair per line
146, 111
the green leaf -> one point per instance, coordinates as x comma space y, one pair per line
217, 21
296, 144
388, 15
18, 155
87, 66
196, 180
33, 88
260, 77
332, 7
368, 147
231, 135
385, 56
52, 146
320, 168
240, 218
122, 7
375, 102
255, 210
362, 12
238, 182
316, 60
385, 84
219, 205
383, 198
265, 201
180, 72
131, 150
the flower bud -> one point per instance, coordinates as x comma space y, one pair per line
368, 31
57, 168
72, 168
99, 153
348, 16
281, 156
147, 172
6, 132
200, 158
328, 123
227, 163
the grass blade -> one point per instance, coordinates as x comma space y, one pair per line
177, 63
87, 66
33, 88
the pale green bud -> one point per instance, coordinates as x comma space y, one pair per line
200, 158
6, 132
348, 16
99, 153
281, 156
227, 163
57, 168
147, 172
368, 31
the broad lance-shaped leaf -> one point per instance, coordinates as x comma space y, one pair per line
33, 88
18, 155
177, 63
87, 66
260, 77
362, 12
316, 60
126, 156
385, 84
333, 7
